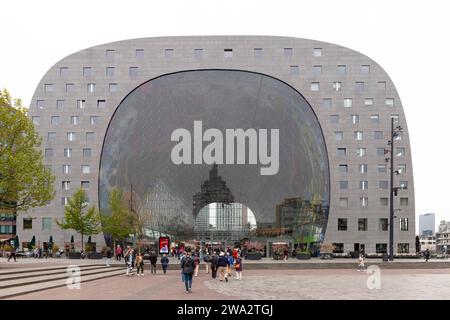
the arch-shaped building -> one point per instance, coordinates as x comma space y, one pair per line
109, 117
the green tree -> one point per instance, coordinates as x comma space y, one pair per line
119, 224
24, 180
78, 217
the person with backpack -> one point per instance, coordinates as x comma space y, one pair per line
164, 263
187, 267
207, 259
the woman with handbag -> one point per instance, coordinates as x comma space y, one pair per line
238, 267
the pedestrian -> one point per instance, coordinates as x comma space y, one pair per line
197, 264
286, 254
230, 263
126, 254
118, 253
36, 252
214, 261
139, 264
164, 263
129, 260
108, 257
427, 255
361, 266
207, 259
238, 267
187, 267
222, 264
182, 257
153, 260
12, 254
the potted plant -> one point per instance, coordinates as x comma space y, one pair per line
326, 251
278, 251
254, 250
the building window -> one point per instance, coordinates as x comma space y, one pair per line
67, 152
342, 224
51, 136
395, 117
27, 223
113, 87
382, 168
85, 169
133, 71
85, 185
334, 118
381, 152
90, 136
64, 201
87, 152
389, 102
354, 118
341, 151
48, 153
338, 135
63, 72
326, 103
288, 52
381, 85
404, 224
359, 86
315, 86
400, 152
368, 101
365, 69
364, 185
110, 71
342, 69
48, 87
87, 72
71, 136
110, 54
317, 52
338, 248
74, 120
227, 53
81, 104
169, 53
363, 168
374, 118
358, 135
403, 248
403, 185
258, 53
343, 185
398, 135
383, 184
47, 224
294, 70
384, 202
403, 201
66, 169
348, 103
364, 201
362, 224
66, 185
378, 135
54, 120
343, 202
139, 53
317, 70
70, 87
59, 105
91, 87
101, 104
94, 120
343, 168
381, 248
401, 168
361, 152
337, 86
36, 120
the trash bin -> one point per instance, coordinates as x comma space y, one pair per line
385, 257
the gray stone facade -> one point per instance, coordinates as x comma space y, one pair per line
311, 67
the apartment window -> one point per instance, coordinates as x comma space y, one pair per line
363, 168
70, 87
228, 53
74, 120
90, 136
133, 71
343, 185
384, 202
288, 52
354, 118
66, 169
51, 136
338, 248
401, 168
403, 248
87, 72
110, 71
382, 168
364, 185
47, 224
342, 69
27, 223
398, 135
101, 104
71, 136
359, 86
36, 120
365, 69
341, 151
81, 104
343, 202
395, 117
381, 248
110, 54
94, 120
403, 185
334, 118
374, 118
364, 201
85, 185
54, 120
389, 102
63, 72
169, 53
139, 53
59, 105
91, 87
400, 152
87, 152
343, 168
404, 226
317, 70
380, 152
315, 86
85, 169
64, 201
381, 85
317, 52
342, 224
338, 135
383, 184
113, 87
361, 152
368, 101
337, 86
348, 102
66, 185
48, 153
258, 52
358, 135
383, 224
48, 87
326, 103
378, 135
294, 70
67, 152
362, 224
403, 201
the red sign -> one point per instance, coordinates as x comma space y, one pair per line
164, 245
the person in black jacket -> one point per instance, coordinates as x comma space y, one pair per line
188, 266
165, 263
153, 260
222, 263
214, 260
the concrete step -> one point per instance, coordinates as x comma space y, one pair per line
49, 284
53, 267
42, 271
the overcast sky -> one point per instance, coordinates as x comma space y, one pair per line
409, 39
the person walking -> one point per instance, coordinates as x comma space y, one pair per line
361, 266
153, 260
207, 259
118, 253
286, 254
238, 267
427, 255
197, 264
188, 266
139, 264
230, 263
129, 256
182, 257
12, 254
164, 263
214, 261
108, 257
222, 263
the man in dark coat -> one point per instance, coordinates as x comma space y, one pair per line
222, 263
214, 260
187, 267
153, 260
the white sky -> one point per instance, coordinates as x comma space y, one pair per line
410, 39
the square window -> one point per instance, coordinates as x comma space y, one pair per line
109, 53
198, 53
71, 136
133, 71
64, 201
101, 104
348, 102
404, 225
227, 53
94, 120
341, 151
36, 120
343, 168
389, 102
362, 224
294, 70
27, 223
288, 52
91, 87
66, 185
337, 86
358, 135
51, 136
398, 135
113, 87
338, 135
342, 224
363, 168
48, 153
48, 87
334, 118
63, 72
403, 201
338, 248
384, 202
85, 169
381, 85
383, 224
258, 52
90, 136
317, 52
401, 168
327, 102
364, 185
54, 120
342, 69
361, 152
315, 86
81, 104
381, 247
374, 118
68, 152
403, 185
383, 184
70, 87
381, 152
364, 201
378, 135
85, 185
317, 70
395, 117
365, 69
403, 248
169, 53
59, 105
139, 53
66, 169
368, 101
87, 152
40, 104
110, 71
400, 152
354, 118
359, 86
343, 202
74, 120
46, 224
87, 72
382, 168
343, 185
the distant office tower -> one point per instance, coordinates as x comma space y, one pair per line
427, 224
